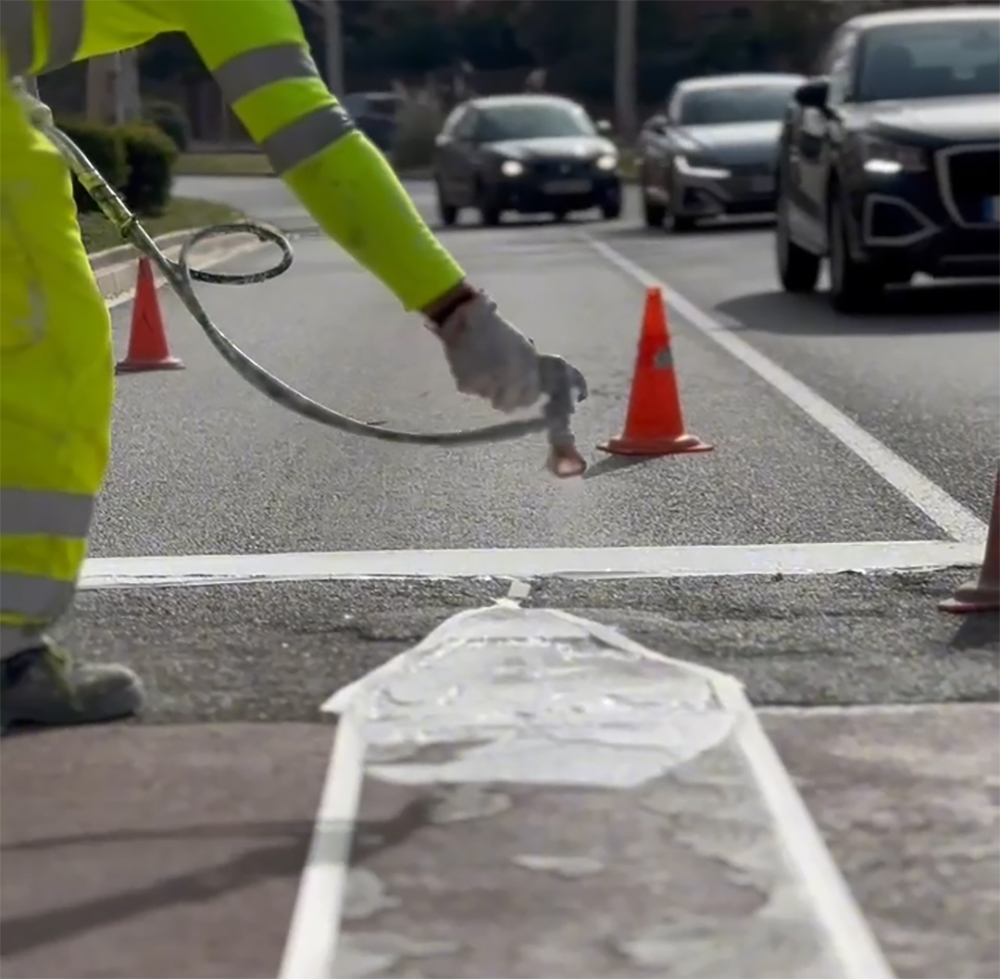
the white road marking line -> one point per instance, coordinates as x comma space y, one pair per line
954, 519
527, 563
207, 263
311, 944
310, 951
833, 902
939, 707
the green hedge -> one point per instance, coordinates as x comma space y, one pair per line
151, 155
171, 118
105, 148
136, 160
418, 121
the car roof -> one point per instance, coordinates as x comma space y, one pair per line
924, 15
736, 79
503, 101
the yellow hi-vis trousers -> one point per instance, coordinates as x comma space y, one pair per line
56, 384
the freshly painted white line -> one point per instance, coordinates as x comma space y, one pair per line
207, 263
833, 902
954, 519
565, 562
311, 945
439, 662
862, 710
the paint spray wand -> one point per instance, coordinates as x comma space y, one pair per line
562, 383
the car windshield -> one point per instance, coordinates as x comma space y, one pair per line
531, 121
929, 61
746, 103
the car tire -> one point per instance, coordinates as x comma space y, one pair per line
448, 213
612, 210
798, 269
490, 212
653, 214
679, 223
854, 287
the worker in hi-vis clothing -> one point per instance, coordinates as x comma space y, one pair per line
56, 363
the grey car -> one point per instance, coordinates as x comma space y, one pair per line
714, 150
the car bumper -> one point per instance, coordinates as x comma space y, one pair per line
702, 196
532, 196
906, 226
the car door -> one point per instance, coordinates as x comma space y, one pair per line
841, 74
465, 154
807, 163
447, 153
652, 156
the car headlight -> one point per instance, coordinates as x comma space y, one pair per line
695, 167
881, 156
512, 168
607, 161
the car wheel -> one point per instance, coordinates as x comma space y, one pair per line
448, 213
489, 211
854, 287
653, 214
679, 223
612, 210
798, 269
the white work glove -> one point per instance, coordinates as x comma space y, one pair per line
489, 357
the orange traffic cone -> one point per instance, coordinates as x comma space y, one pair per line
654, 423
983, 594
147, 342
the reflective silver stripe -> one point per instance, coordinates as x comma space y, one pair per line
18, 29
252, 70
306, 137
34, 598
65, 32
16, 639
43, 512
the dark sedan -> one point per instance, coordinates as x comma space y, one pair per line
713, 151
530, 154
890, 160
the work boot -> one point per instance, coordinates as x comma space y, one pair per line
43, 686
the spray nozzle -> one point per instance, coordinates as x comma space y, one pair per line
565, 386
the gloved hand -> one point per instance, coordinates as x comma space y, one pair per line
490, 357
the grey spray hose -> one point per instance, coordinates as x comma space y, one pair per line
562, 383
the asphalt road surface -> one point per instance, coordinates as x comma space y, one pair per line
174, 848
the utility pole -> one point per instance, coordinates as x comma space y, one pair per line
333, 37
100, 75
128, 101
626, 40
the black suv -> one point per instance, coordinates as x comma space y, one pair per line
889, 162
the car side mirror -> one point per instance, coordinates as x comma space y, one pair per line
813, 94
604, 127
657, 124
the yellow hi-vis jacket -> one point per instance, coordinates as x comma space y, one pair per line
259, 56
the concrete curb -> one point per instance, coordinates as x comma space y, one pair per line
115, 268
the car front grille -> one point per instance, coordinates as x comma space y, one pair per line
757, 169
568, 169
967, 178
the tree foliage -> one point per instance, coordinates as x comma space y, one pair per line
572, 39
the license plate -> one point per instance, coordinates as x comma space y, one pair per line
567, 187
761, 185
991, 210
